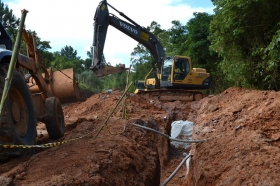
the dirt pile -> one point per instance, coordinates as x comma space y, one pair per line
242, 149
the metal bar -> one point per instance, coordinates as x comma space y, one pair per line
112, 111
175, 171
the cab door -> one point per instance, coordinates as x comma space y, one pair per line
181, 68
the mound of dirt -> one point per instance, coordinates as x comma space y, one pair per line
242, 147
244, 139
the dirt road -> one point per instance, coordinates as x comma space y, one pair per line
242, 128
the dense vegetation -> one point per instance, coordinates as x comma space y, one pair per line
238, 45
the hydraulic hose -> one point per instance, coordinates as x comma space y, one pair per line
165, 135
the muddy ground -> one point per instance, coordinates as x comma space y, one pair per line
242, 147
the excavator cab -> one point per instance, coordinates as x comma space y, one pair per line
177, 73
175, 69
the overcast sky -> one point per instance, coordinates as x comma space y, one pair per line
69, 22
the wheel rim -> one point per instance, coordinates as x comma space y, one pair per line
19, 112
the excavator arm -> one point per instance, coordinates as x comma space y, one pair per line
103, 19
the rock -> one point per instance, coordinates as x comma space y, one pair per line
6, 181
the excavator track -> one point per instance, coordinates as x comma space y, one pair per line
167, 95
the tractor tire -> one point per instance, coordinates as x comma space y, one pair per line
18, 123
55, 118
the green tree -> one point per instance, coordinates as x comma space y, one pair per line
69, 52
273, 55
114, 81
241, 33
9, 20
61, 62
90, 53
197, 47
174, 39
197, 43
88, 80
11, 23
88, 61
141, 58
42, 48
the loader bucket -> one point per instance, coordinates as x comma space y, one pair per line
64, 86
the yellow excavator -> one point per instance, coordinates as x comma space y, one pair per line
174, 78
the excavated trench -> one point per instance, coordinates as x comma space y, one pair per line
121, 154
160, 120
243, 147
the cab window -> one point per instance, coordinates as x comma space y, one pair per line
166, 70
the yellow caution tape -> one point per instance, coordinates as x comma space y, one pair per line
47, 145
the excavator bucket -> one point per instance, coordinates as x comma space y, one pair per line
108, 69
